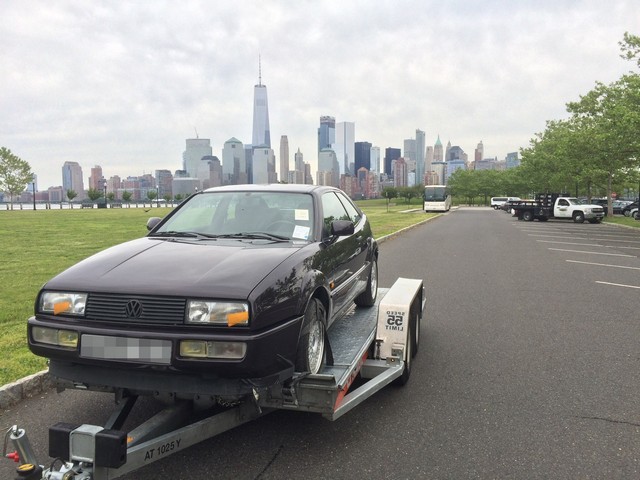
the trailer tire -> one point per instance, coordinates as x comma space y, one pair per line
406, 373
368, 297
527, 216
578, 217
310, 355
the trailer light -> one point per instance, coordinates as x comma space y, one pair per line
54, 336
231, 314
220, 350
59, 303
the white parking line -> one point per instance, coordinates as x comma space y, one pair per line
603, 264
592, 253
618, 284
571, 243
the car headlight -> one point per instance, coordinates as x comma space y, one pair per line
205, 349
54, 336
63, 303
218, 313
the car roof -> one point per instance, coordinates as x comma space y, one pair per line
272, 187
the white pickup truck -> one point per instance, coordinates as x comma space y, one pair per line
553, 205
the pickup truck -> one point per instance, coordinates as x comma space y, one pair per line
553, 205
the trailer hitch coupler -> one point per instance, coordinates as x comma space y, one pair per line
20, 441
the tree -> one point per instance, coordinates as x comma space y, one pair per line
94, 194
15, 174
389, 193
126, 197
151, 195
71, 194
167, 199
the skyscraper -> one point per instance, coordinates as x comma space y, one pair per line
362, 155
438, 152
479, 153
345, 146
390, 154
72, 179
420, 156
326, 132
261, 131
234, 165
284, 158
196, 148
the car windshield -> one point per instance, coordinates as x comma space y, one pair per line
238, 214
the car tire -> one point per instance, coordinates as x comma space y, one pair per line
634, 214
527, 216
368, 297
578, 217
310, 355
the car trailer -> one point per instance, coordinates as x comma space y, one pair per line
369, 348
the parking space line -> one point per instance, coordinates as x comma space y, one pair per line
618, 284
603, 264
592, 253
571, 243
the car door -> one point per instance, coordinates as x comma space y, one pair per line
342, 256
562, 209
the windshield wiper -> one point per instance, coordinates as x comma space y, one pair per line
173, 233
254, 235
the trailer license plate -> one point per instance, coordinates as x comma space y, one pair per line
143, 350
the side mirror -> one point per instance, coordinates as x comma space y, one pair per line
342, 228
152, 222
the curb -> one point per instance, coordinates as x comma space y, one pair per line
15, 392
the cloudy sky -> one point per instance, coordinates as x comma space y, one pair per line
123, 84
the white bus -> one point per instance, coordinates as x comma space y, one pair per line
436, 198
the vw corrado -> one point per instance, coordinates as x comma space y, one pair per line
237, 282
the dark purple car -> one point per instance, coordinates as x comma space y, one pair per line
236, 286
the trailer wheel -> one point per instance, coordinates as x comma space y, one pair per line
311, 352
578, 217
527, 216
368, 297
413, 338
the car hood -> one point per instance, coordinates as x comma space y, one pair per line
149, 266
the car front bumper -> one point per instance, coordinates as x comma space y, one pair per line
158, 350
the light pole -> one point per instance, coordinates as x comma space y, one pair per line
105, 194
158, 196
33, 191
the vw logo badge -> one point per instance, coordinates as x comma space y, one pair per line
133, 309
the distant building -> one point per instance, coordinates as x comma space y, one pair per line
390, 154
264, 166
261, 130
344, 146
362, 155
420, 156
326, 132
452, 166
234, 164
512, 160
284, 158
72, 180
400, 173
374, 159
196, 148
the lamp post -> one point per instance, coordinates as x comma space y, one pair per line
33, 191
105, 194
158, 196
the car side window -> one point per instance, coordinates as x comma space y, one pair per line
332, 209
354, 214
563, 203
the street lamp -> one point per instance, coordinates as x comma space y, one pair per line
105, 194
158, 196
33, 191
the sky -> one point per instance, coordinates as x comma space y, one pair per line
124, 84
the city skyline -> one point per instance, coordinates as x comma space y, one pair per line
122, 87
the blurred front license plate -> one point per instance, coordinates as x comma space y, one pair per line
144, 350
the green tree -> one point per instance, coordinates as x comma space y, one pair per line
94, 194
126, 197
71, 194
151, 195
15, 174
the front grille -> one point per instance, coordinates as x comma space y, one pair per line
135, 310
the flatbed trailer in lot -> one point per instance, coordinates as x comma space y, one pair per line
369, 349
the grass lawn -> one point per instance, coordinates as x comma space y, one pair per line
36, 245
